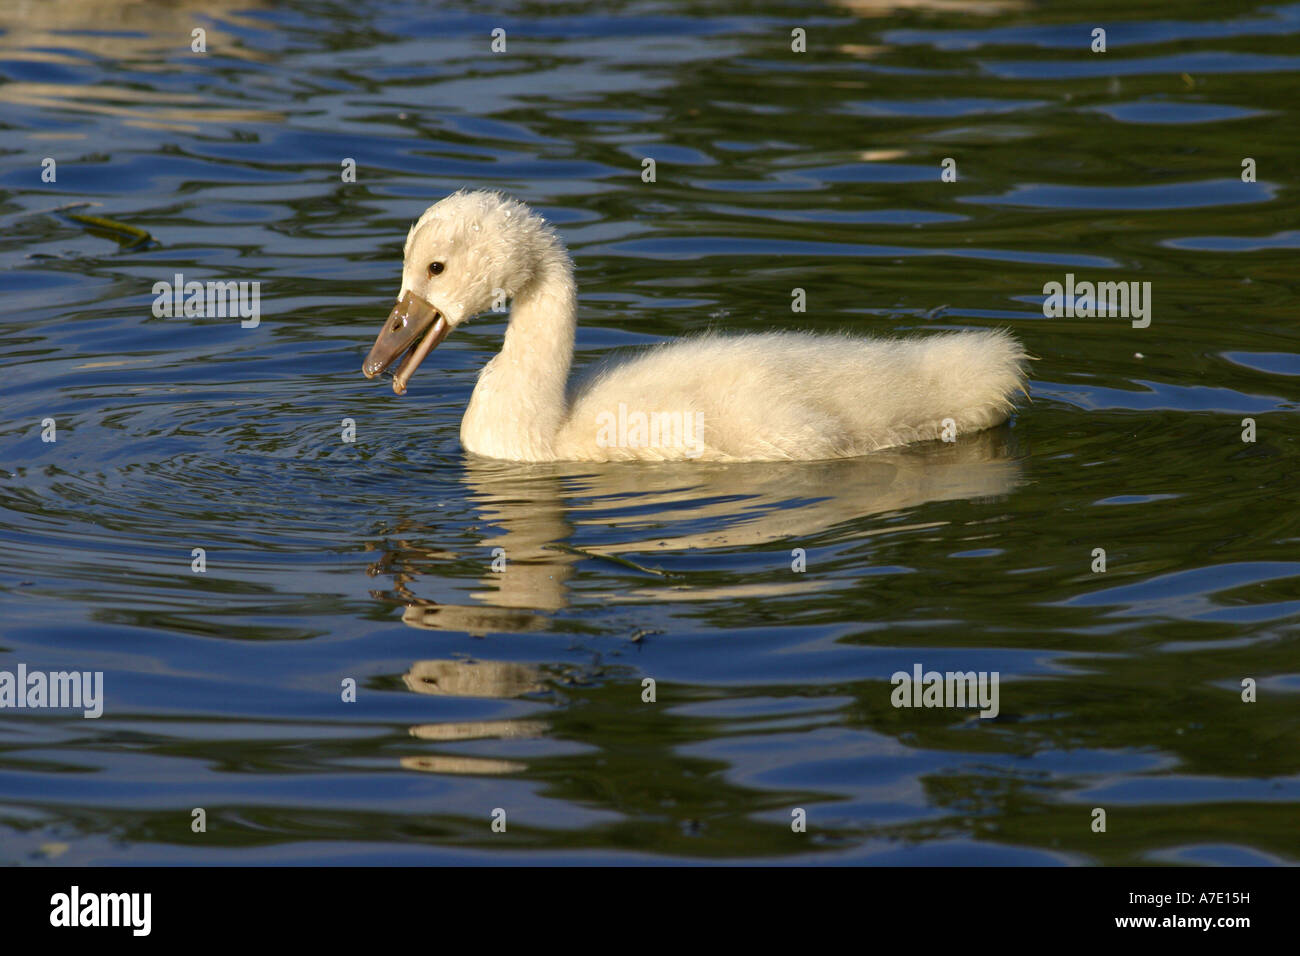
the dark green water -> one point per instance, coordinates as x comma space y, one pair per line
522, 690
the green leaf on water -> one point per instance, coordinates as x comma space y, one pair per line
132, 237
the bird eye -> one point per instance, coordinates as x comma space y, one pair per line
435, 268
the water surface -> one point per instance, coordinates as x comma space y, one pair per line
371, 560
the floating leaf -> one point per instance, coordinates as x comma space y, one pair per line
132, 237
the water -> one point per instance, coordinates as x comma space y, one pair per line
372, 560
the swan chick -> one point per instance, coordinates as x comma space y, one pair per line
766, 396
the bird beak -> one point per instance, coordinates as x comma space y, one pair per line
410, 319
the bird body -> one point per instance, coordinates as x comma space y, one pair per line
751, 397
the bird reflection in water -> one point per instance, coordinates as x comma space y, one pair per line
534, 511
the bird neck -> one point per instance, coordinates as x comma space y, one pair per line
519, 404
